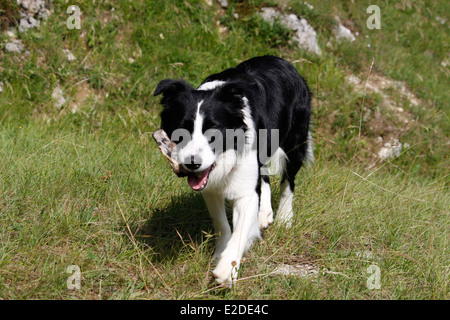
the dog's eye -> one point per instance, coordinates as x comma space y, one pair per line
188, 125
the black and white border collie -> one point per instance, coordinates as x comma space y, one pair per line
231, 132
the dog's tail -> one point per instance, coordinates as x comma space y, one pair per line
309, 159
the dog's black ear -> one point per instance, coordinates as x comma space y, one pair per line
169, 87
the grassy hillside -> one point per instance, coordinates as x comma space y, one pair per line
83, 183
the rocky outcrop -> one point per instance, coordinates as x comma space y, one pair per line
304, 35
31, 12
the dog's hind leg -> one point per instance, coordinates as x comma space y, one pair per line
265, 206
285, 210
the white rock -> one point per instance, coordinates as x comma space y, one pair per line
15, 45
69, 55
441, 20
57, 96
31, 7
390, 150
27, 23
353, 79
223, 3
10, 33
343, 33
31, 11
305, 36
299, 270
310, 6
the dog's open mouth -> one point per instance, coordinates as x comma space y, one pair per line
199, 180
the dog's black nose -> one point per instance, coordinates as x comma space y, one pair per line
192, 166
193, 163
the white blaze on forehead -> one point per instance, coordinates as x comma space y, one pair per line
198, 146
197, 135
211, 85
198, 122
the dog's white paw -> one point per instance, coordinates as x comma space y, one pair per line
265, 218
285, 218
226, 271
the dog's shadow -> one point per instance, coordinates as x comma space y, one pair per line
185, 221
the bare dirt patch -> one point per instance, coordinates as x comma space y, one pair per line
390, 119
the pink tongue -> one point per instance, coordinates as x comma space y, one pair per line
197, 183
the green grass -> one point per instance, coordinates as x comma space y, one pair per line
89, 188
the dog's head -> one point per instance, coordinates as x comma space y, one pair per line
204, 123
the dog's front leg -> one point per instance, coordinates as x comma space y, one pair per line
245, 231
215, 203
